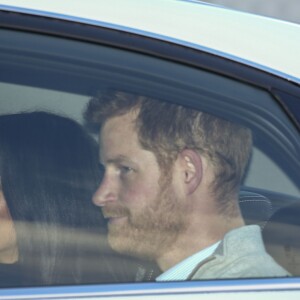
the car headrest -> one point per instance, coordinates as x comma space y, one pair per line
282, 237
255, 208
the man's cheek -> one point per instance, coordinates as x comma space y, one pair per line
134, 197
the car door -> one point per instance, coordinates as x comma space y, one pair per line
52, 63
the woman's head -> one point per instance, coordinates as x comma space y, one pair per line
48, 169
8, 241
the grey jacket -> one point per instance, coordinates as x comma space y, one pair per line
241, 254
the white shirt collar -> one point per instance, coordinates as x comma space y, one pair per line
183, 269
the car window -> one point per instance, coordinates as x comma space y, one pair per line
60, 77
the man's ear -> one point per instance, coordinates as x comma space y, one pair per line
192, 170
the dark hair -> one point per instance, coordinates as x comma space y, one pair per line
48, 169
166, 129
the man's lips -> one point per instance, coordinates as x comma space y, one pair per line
114, 212
114, 216
116, 219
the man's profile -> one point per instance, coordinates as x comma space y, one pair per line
170, 188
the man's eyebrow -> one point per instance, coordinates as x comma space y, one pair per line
118, 159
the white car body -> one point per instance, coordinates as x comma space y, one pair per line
268, 44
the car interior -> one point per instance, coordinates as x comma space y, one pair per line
60, 76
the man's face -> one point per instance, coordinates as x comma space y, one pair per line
146, 213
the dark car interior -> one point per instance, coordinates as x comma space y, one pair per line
52, 74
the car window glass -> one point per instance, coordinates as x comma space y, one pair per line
61, 76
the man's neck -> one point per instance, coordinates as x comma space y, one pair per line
195, 239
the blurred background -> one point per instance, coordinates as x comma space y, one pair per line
288, 10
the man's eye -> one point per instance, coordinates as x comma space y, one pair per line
125, 169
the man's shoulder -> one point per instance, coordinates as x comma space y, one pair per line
241, 254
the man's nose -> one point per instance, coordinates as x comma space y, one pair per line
106, 192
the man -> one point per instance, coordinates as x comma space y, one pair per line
170, 189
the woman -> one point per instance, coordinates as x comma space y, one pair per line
50, 233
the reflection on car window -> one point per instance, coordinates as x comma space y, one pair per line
187, 189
